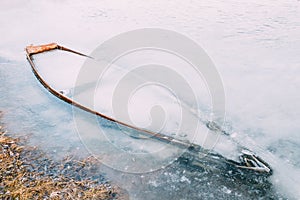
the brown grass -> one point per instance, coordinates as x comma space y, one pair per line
21, 176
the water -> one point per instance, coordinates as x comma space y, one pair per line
254, 46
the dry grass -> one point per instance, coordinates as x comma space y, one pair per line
25, 173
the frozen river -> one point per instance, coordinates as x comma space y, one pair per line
254, 45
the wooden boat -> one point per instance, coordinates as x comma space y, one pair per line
194, 155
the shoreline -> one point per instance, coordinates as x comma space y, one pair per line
27, 173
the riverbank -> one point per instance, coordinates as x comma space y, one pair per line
27, 173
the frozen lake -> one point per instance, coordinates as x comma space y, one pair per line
254, 45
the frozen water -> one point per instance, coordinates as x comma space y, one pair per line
254, 45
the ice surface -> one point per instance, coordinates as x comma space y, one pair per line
254, 45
